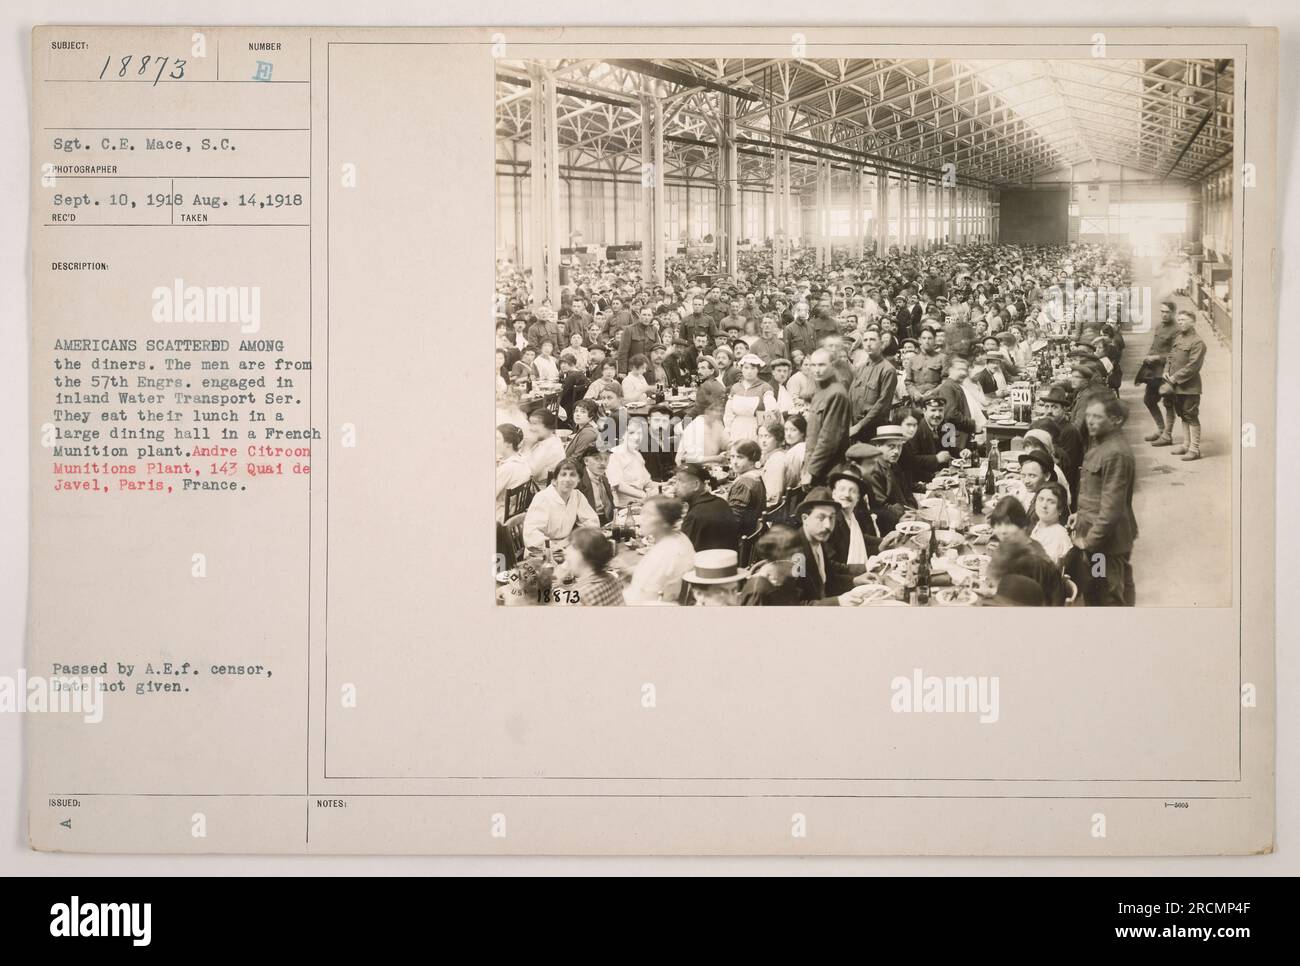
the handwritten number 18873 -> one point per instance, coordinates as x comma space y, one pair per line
145, 66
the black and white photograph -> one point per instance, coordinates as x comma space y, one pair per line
864, 332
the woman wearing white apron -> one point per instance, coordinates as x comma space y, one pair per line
745, 401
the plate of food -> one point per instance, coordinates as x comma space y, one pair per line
981, 530
868, 593
943, 483
973, 561
949, 538
911, 528
955, 597
894, 557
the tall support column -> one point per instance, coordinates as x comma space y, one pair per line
545, 225
660, 197
952, 213
961, 215
904, 213
647, 183
819, 208
733, 186
778, 210
554, 228
882, 211
727, 189
923, 189
537, 193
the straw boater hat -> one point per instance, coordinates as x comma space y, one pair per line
716, 567
889, 434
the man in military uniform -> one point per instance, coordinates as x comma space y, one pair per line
871, 394
1151, 376
1182, 382
925, 369
1104, 525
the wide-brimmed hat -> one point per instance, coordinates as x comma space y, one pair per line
889, 434
847, 473
716, 567
817, 496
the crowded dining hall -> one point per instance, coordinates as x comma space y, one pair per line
740, 366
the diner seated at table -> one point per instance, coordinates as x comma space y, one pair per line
586, 435
546, 450
1036, 469
573, 386
771, 445
1016, 553
512, 469
921, 456
704, 440
595, 485
545, 363
771, 580
658, 576
587, 560
558, 509
747, 495
1049, 514
796, 435
716, 578
627, 474
709, 522
524, 371
855, 537
608, 378
636, 390
889, 498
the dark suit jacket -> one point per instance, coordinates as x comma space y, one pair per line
955, 411
585, 487
709, 523
828, 430
1105, 516
812, 589
919, 462
986, 382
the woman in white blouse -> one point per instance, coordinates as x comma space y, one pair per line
658, 577
512, 468
796, 431
771, 442
558, 509
1049, 504
745, 401
627, 473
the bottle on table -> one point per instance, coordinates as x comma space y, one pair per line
910, 592
924, 575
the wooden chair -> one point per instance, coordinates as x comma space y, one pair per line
748, 540
515, 525
518, 498
1072, 598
